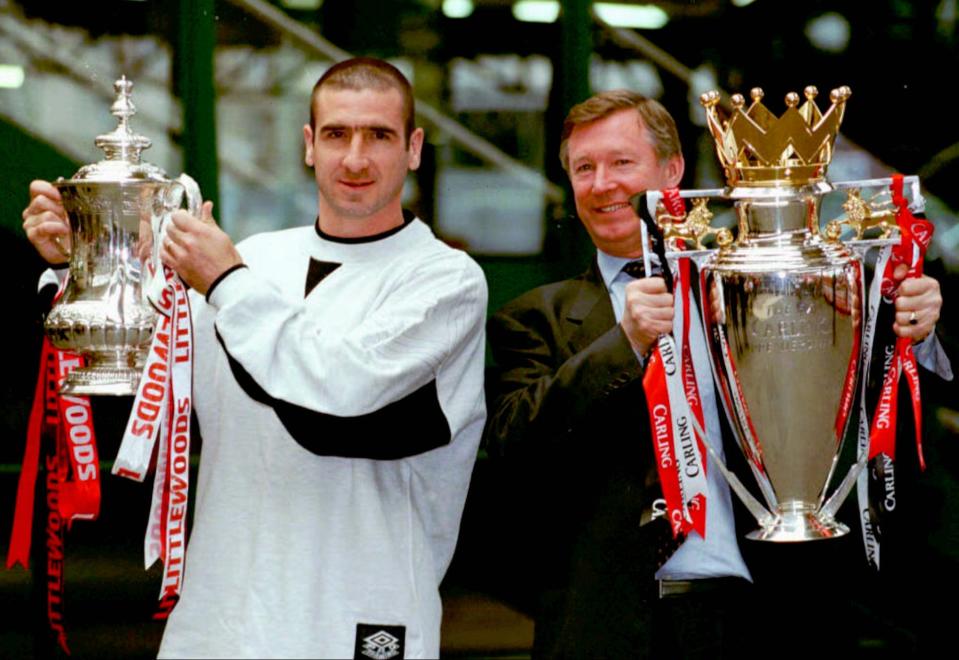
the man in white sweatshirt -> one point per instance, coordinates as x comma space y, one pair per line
338, 387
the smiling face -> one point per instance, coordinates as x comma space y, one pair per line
610, 160
360, 156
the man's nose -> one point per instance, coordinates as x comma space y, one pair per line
356, 159
603, 181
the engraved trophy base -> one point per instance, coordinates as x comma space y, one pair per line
797, 522
112, 375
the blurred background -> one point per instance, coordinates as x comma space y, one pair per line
222, 88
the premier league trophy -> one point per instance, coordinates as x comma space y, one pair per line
783, 306
116, 208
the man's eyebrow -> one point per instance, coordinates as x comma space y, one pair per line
365, 127
614, 153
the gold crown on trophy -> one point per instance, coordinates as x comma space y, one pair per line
758, 149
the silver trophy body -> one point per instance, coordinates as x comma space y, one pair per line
116, 208
784, 329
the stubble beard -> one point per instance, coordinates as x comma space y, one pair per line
352, 205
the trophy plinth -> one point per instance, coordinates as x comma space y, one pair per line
798, 521
102, 375
116, 208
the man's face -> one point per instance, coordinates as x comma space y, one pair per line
610, 160
360, 158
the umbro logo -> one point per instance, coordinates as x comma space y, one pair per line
379, 642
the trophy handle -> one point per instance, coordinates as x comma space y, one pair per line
192, 191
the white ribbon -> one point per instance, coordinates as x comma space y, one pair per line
869, 533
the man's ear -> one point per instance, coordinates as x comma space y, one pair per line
415, 148
308, 144
673, 171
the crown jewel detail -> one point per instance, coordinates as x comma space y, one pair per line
758, 149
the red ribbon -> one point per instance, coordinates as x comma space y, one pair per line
673, 202
916, 235
676, 207
691, 388
19, 550
80, 491
852, 368
660, 417
661, 413
65, 424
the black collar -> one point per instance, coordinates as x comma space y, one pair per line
408, 217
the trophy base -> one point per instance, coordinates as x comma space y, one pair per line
112, 376
799, 525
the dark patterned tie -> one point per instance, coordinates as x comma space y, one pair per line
636, 269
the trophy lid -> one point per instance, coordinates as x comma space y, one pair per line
759, 149
122, 147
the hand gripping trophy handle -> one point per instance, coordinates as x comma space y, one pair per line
183, 186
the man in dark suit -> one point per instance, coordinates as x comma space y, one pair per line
568, 412
569, 404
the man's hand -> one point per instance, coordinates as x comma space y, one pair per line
45, 223
197, 249
648, 312
918, 303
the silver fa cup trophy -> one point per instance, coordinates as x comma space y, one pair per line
116, 208
782, 306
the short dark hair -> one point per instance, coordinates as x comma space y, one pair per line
658, 121
368, 73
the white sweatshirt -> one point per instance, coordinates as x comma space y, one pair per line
339, 432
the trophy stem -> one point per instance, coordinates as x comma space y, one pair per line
115, 373
798, 521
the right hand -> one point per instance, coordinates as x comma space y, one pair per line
648, 312
45, 223
197, 249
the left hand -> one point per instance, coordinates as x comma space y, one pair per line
197, 249
918, 299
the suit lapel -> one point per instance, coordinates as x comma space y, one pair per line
591, 313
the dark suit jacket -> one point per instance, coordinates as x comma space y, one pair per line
568, 405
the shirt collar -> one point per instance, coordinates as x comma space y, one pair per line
610, 266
